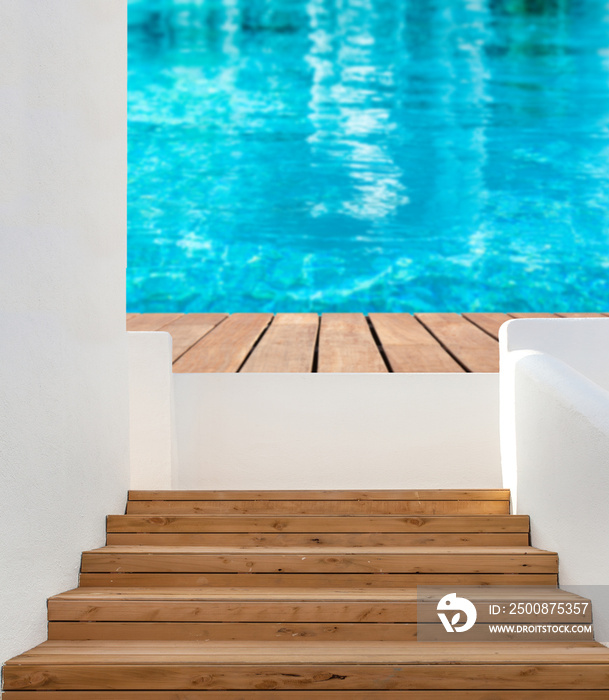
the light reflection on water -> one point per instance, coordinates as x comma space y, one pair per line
368, 155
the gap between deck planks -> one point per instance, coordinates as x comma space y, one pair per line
334, 342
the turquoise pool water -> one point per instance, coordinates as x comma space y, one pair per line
368, 155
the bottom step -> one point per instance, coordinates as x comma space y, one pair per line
350, 666
307, 694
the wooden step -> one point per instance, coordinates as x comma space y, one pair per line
265, 614
307, 695
322, 502
362, 560
271, 604
310, 530
235, 604
322, 667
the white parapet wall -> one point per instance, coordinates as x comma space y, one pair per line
333, 431
307, 431
555, 444
63, 347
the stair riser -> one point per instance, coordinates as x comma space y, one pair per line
253, 611
326, 495
380, 539
404, 508
138, 580
159, 675
259, 632
254, 562
319, 524
218, 611
234, 631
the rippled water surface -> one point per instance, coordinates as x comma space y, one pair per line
368, 155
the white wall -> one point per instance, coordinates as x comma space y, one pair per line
310, 431
151, 425
555, 443
562, 428
579, 342
63, 353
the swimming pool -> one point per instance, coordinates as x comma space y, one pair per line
368, 155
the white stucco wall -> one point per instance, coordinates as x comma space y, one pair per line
333, 431
63, 349
581, 343
562, 443
151, 424
555, 446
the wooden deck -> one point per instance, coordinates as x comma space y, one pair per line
428, 342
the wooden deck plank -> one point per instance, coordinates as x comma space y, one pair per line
150, 322
533, 314
409, 347
470, 345
287, 346
580, 315
346, 344
490, 323
225, 348
189, 329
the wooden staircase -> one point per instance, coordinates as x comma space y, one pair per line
298, 595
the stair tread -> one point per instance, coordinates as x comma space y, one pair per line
308, 652
298, 594
323, 494
317, 550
